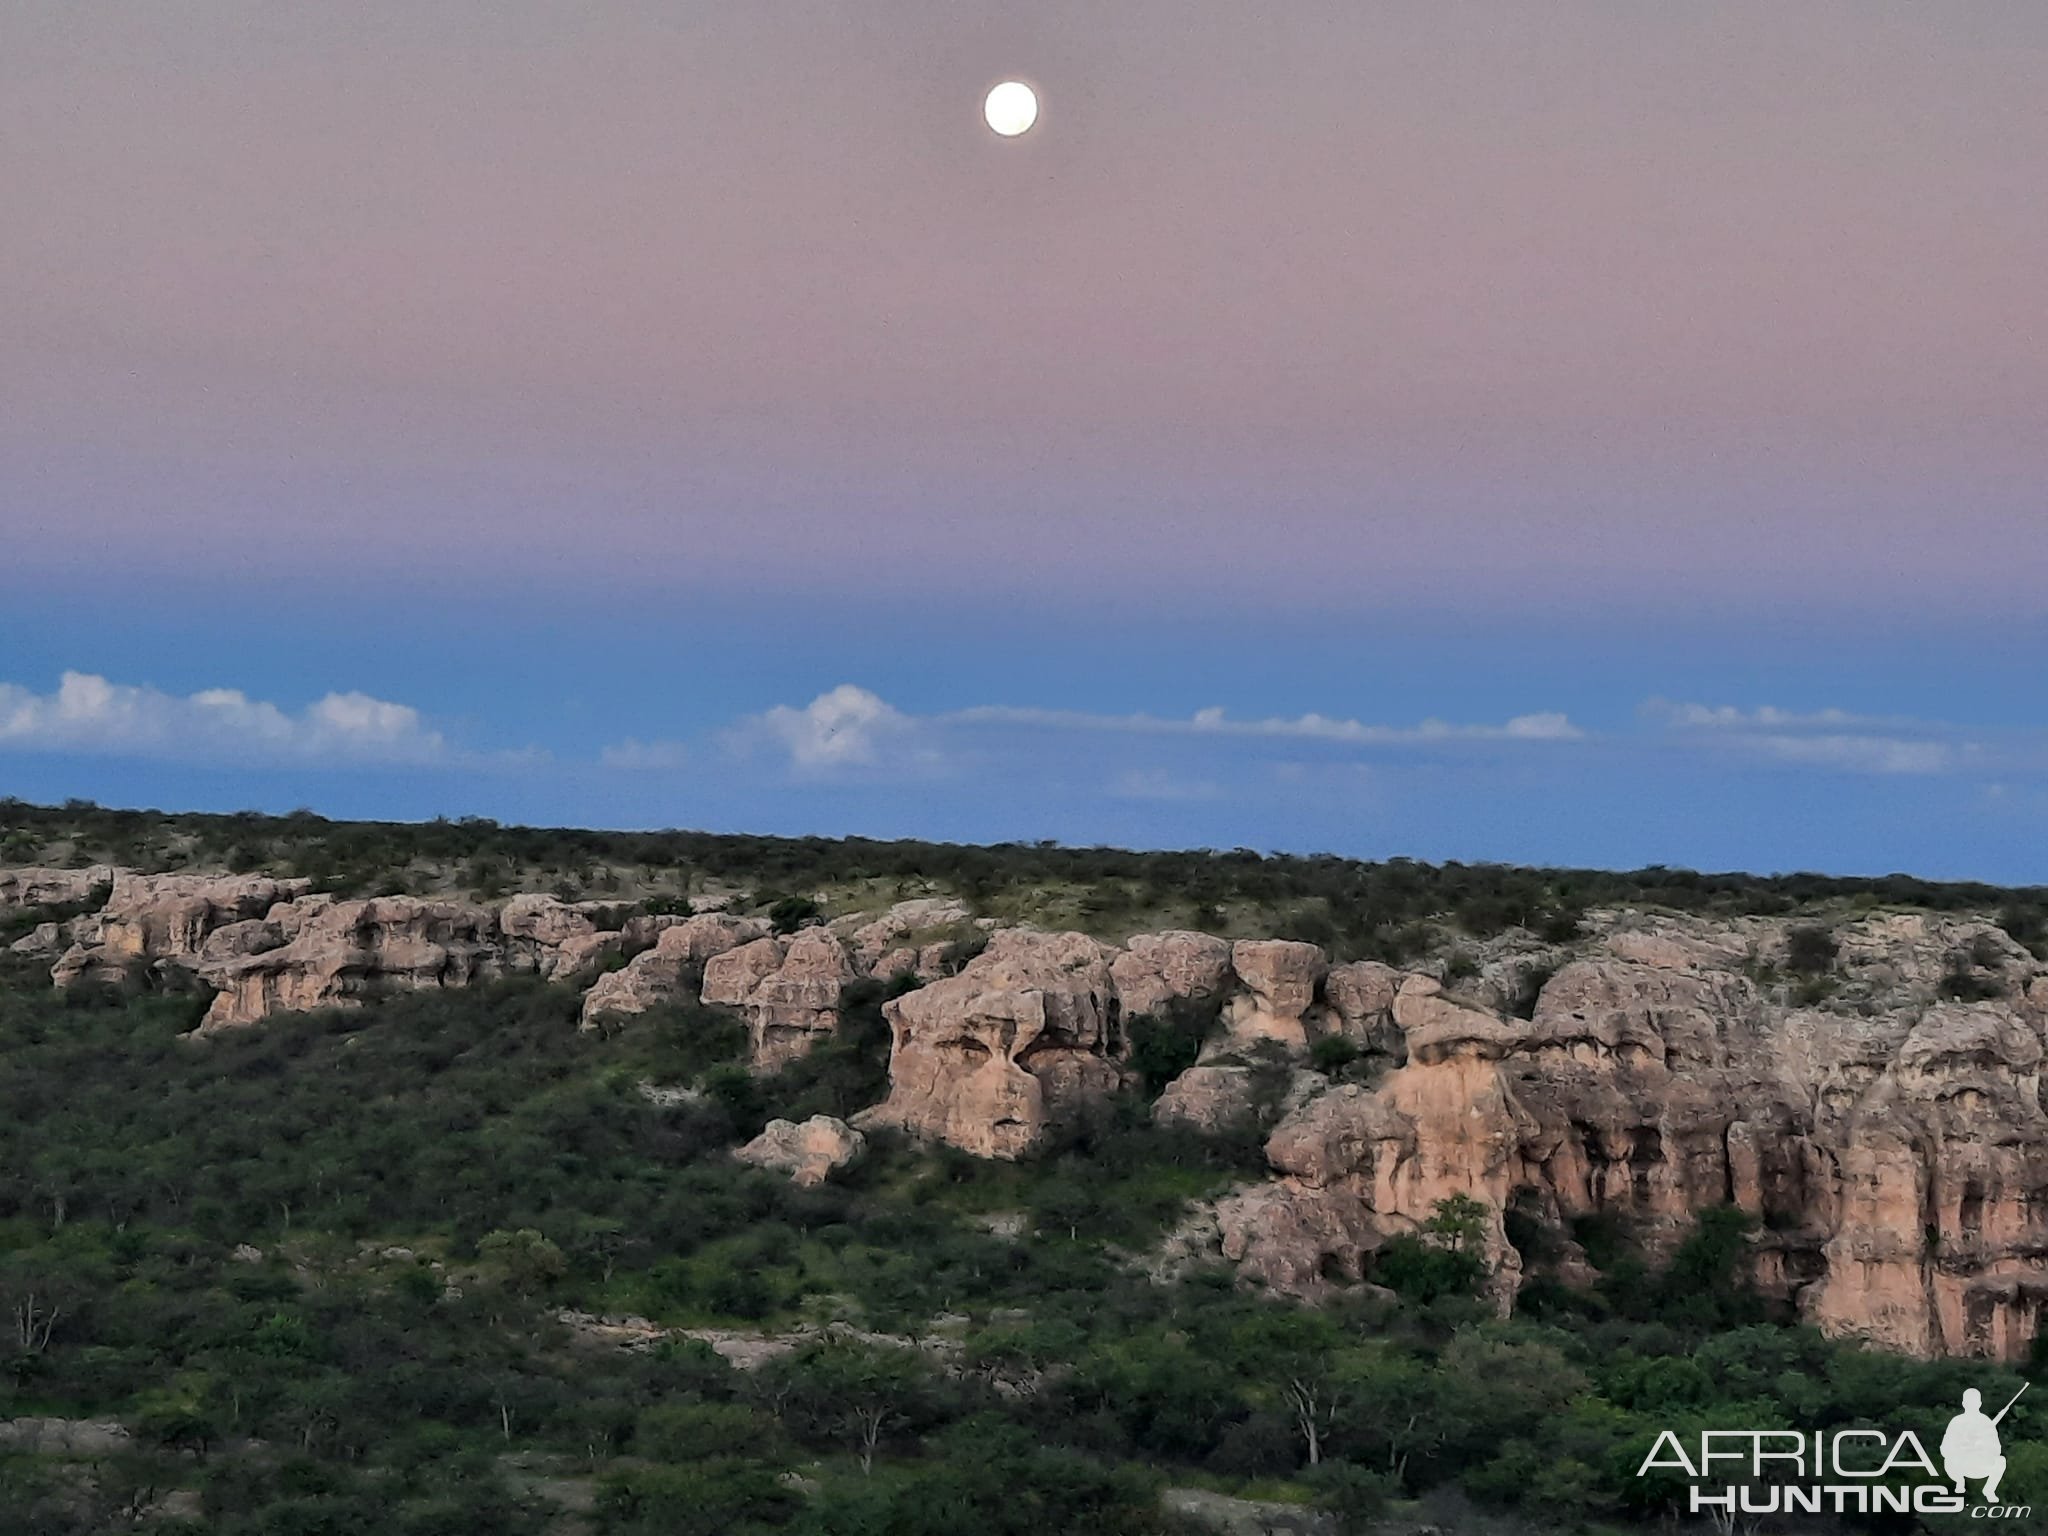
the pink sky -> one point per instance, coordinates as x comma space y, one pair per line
1280, 302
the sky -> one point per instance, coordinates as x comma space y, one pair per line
1594, 433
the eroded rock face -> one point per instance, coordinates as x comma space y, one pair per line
1219, 1097
334, 953
807, 1152
788, 989
1280, 978
1944, 1254
1023, 1039
909, 925
1360, 997
1297, 1241
47, 887
1156, 969
1894, 1149
156, 919
666, 972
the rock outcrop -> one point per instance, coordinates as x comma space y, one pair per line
321, 953
1280, 979
797, 1006
1220, 1097
46, 887
909, 925
1156, 969
1024, 1039
669, 971
150, 920
1892, 1146
807, 1152
1874, 1101
787, 988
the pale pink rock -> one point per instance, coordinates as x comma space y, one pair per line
339, 952
1023, 1039
807, 1152
1281, 978
658, 975
1159, 968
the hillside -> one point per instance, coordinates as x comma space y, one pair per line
376, 1177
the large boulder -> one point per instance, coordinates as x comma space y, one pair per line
1025, 1038
1157, 969
1281, 979
808, 1152
1360, 1005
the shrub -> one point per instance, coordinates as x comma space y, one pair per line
1810, 949
1333, 1053
789, 913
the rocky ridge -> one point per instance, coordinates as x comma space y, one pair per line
1883, 1120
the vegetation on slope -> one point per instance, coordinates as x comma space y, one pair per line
319, 1270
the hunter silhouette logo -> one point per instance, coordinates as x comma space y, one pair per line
1842, 1472
1970, 1448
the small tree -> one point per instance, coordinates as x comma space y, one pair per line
525, 1259
1810, 950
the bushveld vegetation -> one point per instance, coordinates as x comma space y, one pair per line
318, 1269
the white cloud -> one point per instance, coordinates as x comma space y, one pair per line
1865, 754
87, 713
1833, 739
848, 727
1214, 721
851, 727
1728, 717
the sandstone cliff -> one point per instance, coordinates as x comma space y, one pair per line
1896, 1158
1025, 1038
1880, 1114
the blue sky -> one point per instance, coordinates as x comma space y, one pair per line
1839, 744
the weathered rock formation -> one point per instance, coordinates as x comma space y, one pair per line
1024, 1039
1156, 969
1894, 1150
911, 927
1280, 979
157, 919
807, 1152
669, 970
44, 887
322, 953
787, 988
1218, 1097
1883, 1120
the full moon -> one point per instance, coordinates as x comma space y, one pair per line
1011, 108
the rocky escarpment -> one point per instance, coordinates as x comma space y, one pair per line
266, 945
1878, 1110
1896, 1157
